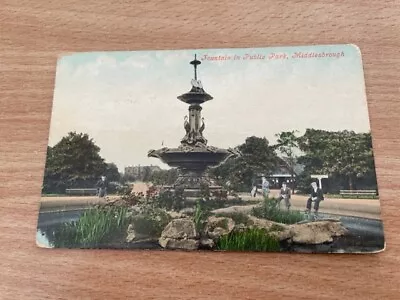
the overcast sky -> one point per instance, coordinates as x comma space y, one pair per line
126, 101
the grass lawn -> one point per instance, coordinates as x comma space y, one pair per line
372, 197
352, 196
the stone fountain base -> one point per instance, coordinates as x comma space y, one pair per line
192, 163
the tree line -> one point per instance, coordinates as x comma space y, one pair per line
346, 156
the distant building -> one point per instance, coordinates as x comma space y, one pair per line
139, 172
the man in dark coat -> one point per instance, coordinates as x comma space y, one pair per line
253, 191
102, 187
316, 196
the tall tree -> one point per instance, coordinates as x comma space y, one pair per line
74, 160
146, 174
287, 144
112, 172
51, 181
164, 177
342, 153
257, 157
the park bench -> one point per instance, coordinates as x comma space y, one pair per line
82, 192
358, 193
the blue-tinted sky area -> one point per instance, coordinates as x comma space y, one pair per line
126, 101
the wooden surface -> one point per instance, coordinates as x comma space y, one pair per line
33, 33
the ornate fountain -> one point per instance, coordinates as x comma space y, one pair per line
193, 157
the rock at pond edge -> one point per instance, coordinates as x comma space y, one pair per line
219, 226
183, 244
180, 229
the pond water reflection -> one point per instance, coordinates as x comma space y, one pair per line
366, 235
50, 221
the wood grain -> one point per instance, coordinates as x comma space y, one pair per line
34, 33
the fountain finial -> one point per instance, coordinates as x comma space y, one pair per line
197, 95
195, 62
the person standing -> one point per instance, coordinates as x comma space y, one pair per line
285, 194
316, 196
102, 187
265, 187
253, 191
228, 187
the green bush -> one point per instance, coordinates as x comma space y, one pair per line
170, 200
148, 225
94, 227
270, 210
125, 192
151, 220
254, 239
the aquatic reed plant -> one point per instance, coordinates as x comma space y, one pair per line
94, 227
270, 210
254, 239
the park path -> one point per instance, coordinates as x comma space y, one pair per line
76, 202
141, 187
367, 208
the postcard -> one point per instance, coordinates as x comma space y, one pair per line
255, 149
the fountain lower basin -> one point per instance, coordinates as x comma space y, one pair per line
195, 158
192, 163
